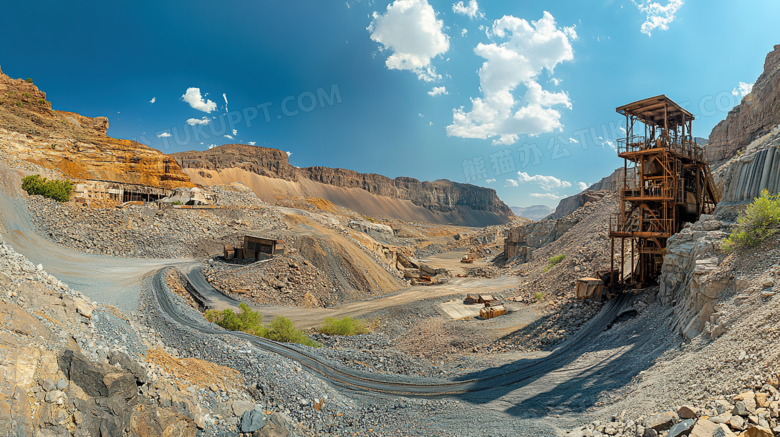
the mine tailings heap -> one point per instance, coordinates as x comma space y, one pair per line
666, 183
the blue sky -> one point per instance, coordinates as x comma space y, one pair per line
359, 77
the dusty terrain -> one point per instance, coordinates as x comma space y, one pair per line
90, 347
268, 173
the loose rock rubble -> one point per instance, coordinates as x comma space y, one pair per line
146, 231
71, 366
282, 280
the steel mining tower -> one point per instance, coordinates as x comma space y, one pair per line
666, 183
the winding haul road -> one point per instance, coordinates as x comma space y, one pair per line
117, 281
346, 378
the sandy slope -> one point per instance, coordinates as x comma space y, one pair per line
356, 199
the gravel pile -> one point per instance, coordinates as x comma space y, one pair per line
62, 329
281, 280
373, 353
145, 231
236, 195
484, 272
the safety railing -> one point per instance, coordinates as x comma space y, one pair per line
631, 224
684, 147
633, 144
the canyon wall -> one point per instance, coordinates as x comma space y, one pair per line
745, 176
757, 115
269, 174
570, 204
76, 145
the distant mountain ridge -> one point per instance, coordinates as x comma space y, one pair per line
533, 212
269, 173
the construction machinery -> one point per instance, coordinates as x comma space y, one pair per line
666, 184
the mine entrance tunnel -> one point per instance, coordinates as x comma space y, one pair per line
666, 183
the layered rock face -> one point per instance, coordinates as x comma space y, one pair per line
689, 280
572, 203
744, 177
523, 240
476, 206
757, 115
76, 145
613, 181
259, 160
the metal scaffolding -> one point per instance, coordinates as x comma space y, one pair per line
666, 183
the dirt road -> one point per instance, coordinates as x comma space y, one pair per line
110, 280
305, 318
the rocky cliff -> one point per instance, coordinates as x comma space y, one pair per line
442, 200
570, 204
74, 144
744, 177
757, 115
613, 181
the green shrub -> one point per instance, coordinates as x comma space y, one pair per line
175, 202
54, 189
756, 223
29, 80
26, 95
280, 329
345, 326
539, 296
41, 101
19, 104
554, 260
53, 146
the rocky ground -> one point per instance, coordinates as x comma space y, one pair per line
282, 280
74, 366
146, 231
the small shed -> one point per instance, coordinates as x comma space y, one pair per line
589, 288
255, 245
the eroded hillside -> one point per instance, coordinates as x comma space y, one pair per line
269, 174
75, 145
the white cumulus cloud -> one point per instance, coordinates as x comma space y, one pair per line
489, 181
411, 31
154, 99
211, 146
224, 96
743, 89
251, 143
463, 32
546, 195
511, 183
470, 10
164, 135
194, 121
583, 186
658, 16
288, 154
193, 97
546, 182
235, 132
229, 137
529, 49
572, 140
438, 90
